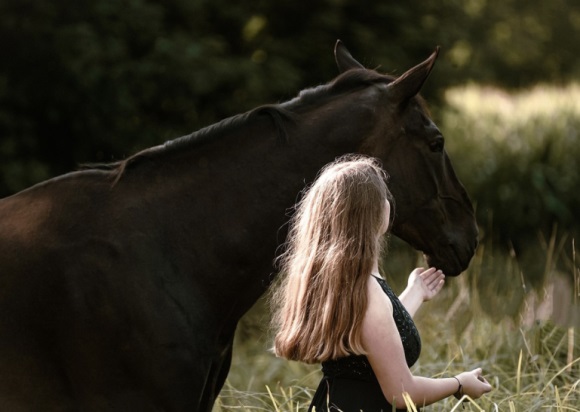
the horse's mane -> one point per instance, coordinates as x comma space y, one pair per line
276, 113
280, 114
347, 82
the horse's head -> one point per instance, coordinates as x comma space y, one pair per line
432, 212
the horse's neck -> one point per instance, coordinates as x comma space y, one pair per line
252, 161
233, 196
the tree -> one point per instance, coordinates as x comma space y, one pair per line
96, 80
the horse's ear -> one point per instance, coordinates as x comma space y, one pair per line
409, 84
343, 58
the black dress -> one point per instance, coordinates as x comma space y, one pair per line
349, 383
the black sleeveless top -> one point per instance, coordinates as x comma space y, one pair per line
349, 383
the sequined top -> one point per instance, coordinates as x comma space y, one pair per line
358, 366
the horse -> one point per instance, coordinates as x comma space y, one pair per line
121, 285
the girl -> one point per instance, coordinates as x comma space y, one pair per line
333, 307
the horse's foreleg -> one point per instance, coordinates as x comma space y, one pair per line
216, 379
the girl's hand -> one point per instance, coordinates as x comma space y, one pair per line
473, 384
426, 283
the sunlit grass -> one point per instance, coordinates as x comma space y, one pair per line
527, 361
542, 101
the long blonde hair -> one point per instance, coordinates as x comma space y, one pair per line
334, 238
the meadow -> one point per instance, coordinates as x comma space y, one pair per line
516, 311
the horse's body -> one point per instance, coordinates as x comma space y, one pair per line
121, 289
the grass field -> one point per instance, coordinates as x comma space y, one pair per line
532, 362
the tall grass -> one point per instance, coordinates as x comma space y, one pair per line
515, 312
530, 364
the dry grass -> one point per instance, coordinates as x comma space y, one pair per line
533, 366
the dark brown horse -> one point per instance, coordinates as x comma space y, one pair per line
121, 288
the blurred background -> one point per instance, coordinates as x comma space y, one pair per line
84, 81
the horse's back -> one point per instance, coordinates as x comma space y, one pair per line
37, 226
85, 323
32, 296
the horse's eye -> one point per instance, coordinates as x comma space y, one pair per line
437, 145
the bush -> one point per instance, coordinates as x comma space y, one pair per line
517, 154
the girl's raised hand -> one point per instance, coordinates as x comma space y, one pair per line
427, 283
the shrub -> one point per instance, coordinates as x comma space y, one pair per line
517, 154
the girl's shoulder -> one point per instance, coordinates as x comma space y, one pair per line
378, 300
